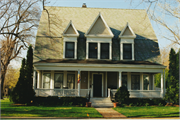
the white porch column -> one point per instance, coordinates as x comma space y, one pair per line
79, 84
39, 79
99, 49
52, 80
162, 85
110, 50
87, 49
75, 51
106, 84
121, 51
65, 79
132, 51
34, 80
64, 49
120, 78
153, 82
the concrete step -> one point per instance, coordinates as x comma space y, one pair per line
101, 102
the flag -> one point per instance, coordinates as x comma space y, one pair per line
79, 78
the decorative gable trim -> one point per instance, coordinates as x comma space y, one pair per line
125, 32
110, 34
71, 29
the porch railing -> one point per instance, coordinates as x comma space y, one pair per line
61, 92
137, 93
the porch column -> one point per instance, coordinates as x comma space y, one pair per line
120, 78
39, 79
65, 79
87, 49
79, 81
110, 49
162, 85
34, 80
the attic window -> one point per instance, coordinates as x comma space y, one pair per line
104, 50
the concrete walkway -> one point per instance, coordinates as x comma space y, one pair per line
109, 113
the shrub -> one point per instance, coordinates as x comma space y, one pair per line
122, 95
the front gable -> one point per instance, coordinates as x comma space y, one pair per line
99, 28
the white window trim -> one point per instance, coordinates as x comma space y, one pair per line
126, 41
99, 49
75, 48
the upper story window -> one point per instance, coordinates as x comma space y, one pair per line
93, 50
127, 51
70, 35
127, 43
104, 50
69, 51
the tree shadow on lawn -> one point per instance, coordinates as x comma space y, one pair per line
46, 113
175, 114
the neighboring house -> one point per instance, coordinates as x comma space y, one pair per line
108, 48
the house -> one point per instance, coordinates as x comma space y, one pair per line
95, 50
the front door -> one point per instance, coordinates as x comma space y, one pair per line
97, 85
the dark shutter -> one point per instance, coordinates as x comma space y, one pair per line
127, 51
93, 50
69, 52
104, 50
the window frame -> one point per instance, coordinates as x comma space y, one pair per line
139, 81
129, 51
94, 50
43, 80
62, 79
106, 51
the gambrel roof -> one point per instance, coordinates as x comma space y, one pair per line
49, 43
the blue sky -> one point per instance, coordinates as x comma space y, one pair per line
121, 4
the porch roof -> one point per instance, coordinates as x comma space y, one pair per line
97, 62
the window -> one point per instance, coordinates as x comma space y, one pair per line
135, 82
58, 80
69, 52
146, 82
71, 81
93, 50
46, 80
124, 80
127, 51
104, 50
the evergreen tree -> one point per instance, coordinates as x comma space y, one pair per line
172, 92
17, 93
29, 76
23, 92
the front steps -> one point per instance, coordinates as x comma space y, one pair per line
101, 102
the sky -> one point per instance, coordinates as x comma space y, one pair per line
121, 4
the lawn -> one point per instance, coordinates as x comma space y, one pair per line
149, 111
7, 109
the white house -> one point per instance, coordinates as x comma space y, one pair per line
108, 48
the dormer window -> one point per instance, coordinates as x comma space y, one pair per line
127, 43
69, 51
70, 35
99, 40
127, 51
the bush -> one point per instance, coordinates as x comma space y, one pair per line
61, 101
122, 95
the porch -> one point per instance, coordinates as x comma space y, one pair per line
97, 84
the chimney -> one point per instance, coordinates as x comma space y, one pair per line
84, 5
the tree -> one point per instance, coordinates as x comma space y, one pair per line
172, 93
29, 76
11, 78
23, 92
18, 20
165, 13
17, 93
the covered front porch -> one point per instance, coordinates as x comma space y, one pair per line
97, 80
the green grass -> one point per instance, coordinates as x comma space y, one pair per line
149, 111
7, 109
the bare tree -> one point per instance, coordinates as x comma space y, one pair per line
167, 14
19, 18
